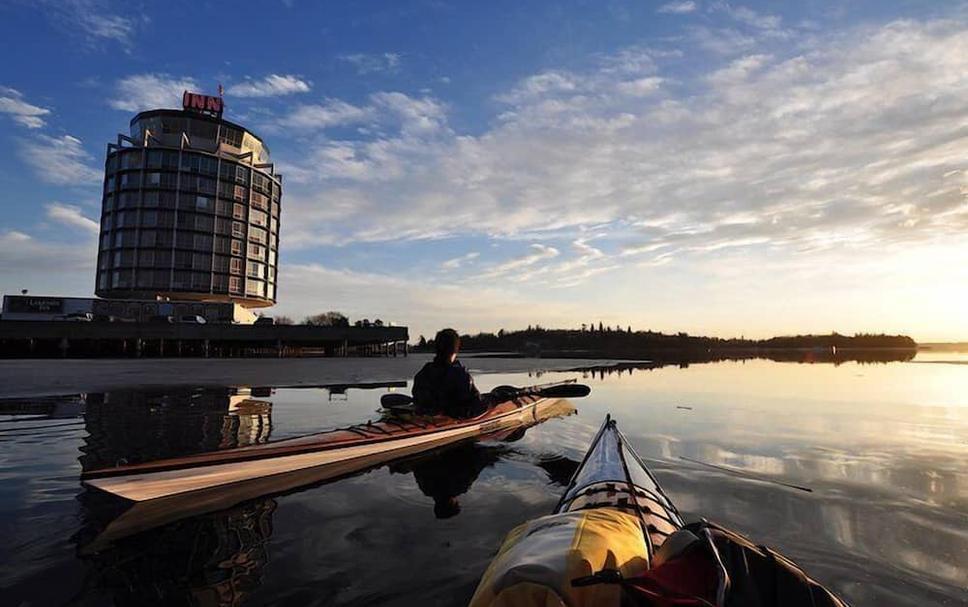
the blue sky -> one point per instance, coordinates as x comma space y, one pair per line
719, 168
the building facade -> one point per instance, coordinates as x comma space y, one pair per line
190, 211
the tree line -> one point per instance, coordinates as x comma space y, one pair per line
329, 319
601, 339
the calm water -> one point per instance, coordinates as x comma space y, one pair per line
884, 448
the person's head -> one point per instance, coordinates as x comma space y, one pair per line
447, 344
446, 507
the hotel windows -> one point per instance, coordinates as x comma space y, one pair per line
259, 201
204, 203
235, 284
259, 218
238, 229
257, 252
236, 247
257, 235
238, 211
235, 265
255, 270
255, 287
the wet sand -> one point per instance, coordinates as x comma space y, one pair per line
40, 377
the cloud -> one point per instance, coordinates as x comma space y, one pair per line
678, 7
749, 17
456, 262
150, 91
21, 254
840, 143
96, 20
273, 85
537, 254
60, 160
23, 113
373, 63
71, 216
331, 113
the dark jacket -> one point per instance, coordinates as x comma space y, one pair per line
444, 387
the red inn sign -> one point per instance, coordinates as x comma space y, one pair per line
202, 103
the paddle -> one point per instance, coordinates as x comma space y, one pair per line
569, 390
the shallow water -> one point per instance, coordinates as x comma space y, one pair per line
882, 446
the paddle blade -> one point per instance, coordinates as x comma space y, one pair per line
566, 391
394, 400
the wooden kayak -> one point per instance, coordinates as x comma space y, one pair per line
275, 475
382, 440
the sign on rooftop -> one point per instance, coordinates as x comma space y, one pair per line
203, 104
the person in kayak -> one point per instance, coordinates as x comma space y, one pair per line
444, 385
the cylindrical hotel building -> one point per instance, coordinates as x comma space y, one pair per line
190, 212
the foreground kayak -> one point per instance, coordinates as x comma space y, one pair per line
615, 538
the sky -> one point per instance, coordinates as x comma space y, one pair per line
718, 168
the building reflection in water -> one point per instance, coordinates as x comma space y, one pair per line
138, 426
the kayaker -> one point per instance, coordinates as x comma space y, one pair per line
444, 385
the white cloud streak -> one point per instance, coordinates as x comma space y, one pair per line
457, 262
372, 63
273, 85
60, 160
678, 7
71, 216
150, 91
25, 114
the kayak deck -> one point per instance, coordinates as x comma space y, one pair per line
612, 475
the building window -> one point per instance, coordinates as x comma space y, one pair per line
257, 252
259, 218
236, 247
203, 242
260, 201
222, 263
257, 235
153, 179
204, 203
202, 261
255, 269
235, 265
146, 259
255, 287
235, 284
238, 211
238, 229
204, 223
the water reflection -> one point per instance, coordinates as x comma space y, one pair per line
219, 558
882, 446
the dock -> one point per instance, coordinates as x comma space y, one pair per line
76, 339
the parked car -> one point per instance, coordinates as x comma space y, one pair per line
77, 317
162, 318
265, 320
192, 319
